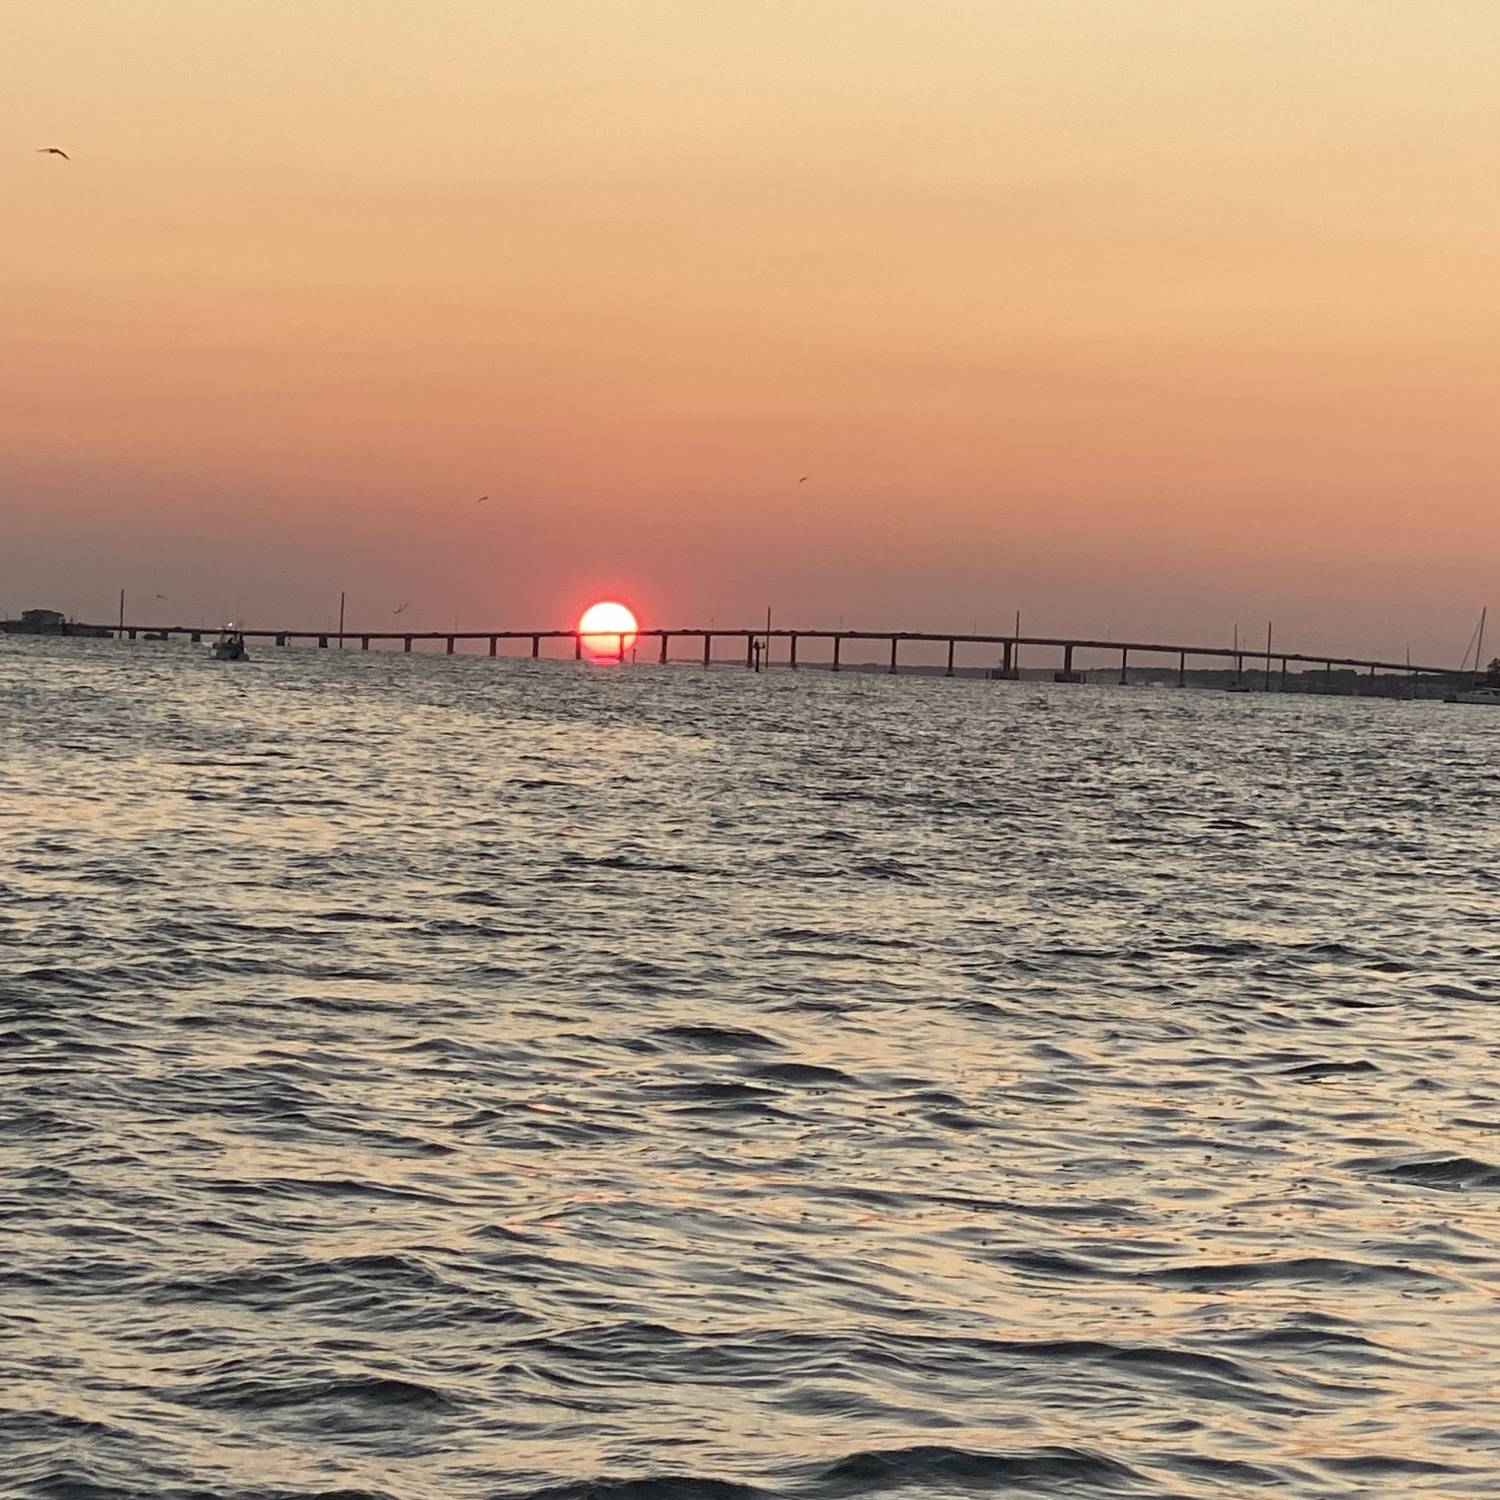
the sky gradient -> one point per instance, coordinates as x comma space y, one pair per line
1142, 317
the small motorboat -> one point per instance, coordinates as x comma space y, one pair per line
1476, 695
230, 645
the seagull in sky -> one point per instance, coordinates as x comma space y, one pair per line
804, 479
481, 500
398, 609
53, 151
162, 597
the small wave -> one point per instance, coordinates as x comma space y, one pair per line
1054, 1263
1327, 1270
1315, 1339
869, 1472
641, 864
267, 1393
713, 1090
843, 937
810, 1074
300, 1278
480, 898
709, 1038
888, 869
1453, 1173
662, 1488
315, 1187
1311, 1072
1372, 1464
1224, 1470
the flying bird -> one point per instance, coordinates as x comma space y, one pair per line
162, 597
481, 500
53, 151
398, 609
804, 479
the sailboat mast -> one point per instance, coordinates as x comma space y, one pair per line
1479, 647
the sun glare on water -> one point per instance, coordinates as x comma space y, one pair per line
608, 628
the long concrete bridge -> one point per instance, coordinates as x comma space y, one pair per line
759, 648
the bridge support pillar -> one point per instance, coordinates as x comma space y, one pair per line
536, 647
1182, 669
708, 648
494, 644
364, 643
1067, 674
838, 640
280, 639
323, 642
892, 667
1124, 666
450, 645
951, 644
577, 646
664, 639
406, 644
1283, 674
792, 659
749, 649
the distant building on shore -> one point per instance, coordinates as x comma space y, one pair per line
49, 622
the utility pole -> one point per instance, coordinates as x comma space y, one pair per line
122, 613
341, 619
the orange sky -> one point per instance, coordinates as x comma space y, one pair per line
1144, 317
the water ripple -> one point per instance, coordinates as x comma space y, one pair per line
445, 1077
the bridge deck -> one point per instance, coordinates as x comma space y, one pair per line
1068, 644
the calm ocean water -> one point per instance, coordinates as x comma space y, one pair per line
445, 1078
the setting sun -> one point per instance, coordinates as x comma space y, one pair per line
608, 628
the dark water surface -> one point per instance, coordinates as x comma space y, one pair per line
442, 1078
